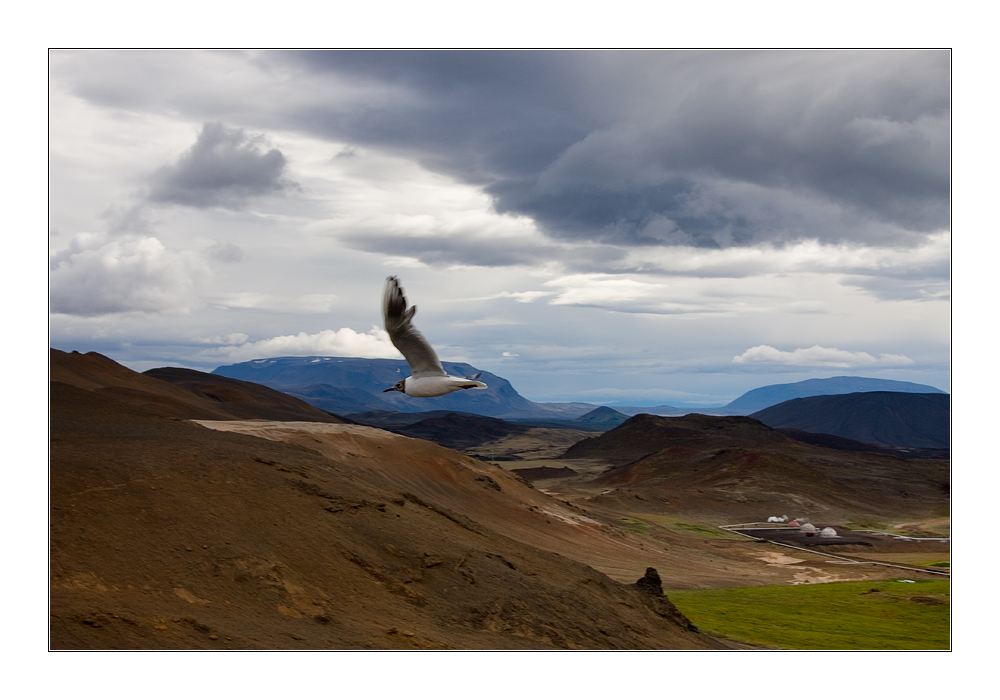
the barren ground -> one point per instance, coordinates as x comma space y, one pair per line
174, 533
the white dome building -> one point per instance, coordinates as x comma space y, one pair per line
828, 532
808, 528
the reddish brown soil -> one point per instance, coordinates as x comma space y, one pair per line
167, 534
734, 469
185, 394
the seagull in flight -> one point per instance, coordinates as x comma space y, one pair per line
428, 377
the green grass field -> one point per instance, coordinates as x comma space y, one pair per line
826, 615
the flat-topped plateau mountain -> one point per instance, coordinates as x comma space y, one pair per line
355, 385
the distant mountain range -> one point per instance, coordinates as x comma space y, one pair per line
877, 417
345, 385
349, 385
600, 419
461, 431
761, 398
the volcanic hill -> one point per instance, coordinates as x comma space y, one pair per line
738, 468
168, 533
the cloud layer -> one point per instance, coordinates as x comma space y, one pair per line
817, 356
624, 223
700, 148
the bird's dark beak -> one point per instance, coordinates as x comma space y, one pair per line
392, 388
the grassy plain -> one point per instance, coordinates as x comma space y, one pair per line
850, 615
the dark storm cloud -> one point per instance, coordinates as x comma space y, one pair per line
224, 168
706, 148
474, 114
710, 148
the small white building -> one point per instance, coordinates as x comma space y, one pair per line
808, 528
828, 532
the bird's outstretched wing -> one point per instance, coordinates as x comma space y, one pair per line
418, 352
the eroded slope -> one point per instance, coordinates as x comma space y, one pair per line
165, 534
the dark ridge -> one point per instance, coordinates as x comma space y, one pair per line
242, 399
835, 442
645, 434
889, 419
460, 430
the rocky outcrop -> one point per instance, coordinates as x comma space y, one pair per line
650, 583
652, 588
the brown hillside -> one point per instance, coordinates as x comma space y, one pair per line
166, 534
241, 399
742, 470
645, 434
185, 394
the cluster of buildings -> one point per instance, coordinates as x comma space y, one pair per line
808, 529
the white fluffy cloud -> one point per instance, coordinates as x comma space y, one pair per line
817, 356
98, 275
306, 303
345, 342
601, 290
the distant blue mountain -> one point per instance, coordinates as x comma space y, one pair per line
759, 399
889, 418
346, 385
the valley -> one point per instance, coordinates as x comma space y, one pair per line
193, 515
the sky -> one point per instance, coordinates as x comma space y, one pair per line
630, 227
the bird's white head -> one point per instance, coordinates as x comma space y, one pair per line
398, 386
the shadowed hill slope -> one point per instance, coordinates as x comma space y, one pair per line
460, 431
266, 535
180, 393
241, 399
738, 468
878, 417
644, 434
95, 372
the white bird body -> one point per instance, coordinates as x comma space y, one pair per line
437, 386
428, 377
